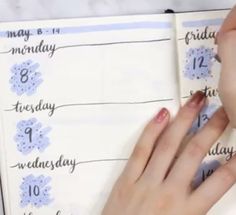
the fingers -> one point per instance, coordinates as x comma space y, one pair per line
226, 49
171, 139
145, 145
215, 186
230, 22
226, 40
227, 87
187, 164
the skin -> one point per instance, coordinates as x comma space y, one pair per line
153, 181
226, 41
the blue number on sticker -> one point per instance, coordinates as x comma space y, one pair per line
30, 135
203, 117
198, 63
35, 191
25, 78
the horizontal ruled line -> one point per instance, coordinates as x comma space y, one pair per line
113, 43
102, 160
113, 103
99, 44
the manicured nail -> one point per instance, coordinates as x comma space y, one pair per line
161, 115
196, 99
217, 57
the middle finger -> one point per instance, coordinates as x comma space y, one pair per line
171, 139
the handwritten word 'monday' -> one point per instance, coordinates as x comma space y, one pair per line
42, 47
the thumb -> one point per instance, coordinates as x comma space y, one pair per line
227, 84
227, 54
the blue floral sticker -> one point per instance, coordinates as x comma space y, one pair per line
205, 170
25, 78
30, 135
203, 117
199, 62
35, 191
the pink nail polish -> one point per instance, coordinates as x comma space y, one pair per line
196, 99
161, 115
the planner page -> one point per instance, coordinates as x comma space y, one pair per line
199, 69
75, 96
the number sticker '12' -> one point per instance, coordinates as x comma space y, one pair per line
25, 78
30, 135
198, 63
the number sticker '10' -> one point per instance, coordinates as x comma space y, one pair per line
35, 190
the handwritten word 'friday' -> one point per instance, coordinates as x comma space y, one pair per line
206, 34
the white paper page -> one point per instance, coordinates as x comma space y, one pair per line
199, 70
97, 82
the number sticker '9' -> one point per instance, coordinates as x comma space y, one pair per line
30, 135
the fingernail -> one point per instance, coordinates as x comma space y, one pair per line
161, 115
217, 57
196, 99
216, 38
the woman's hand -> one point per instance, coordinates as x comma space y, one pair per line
226, 40
154, 183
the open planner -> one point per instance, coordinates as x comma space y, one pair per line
76, 93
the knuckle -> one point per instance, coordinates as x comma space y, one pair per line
164, 146
140, 151
120, 193
219, 120
165, 202
149, 132
228, 38
186, 113
196, 149
226, 174
121, 189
